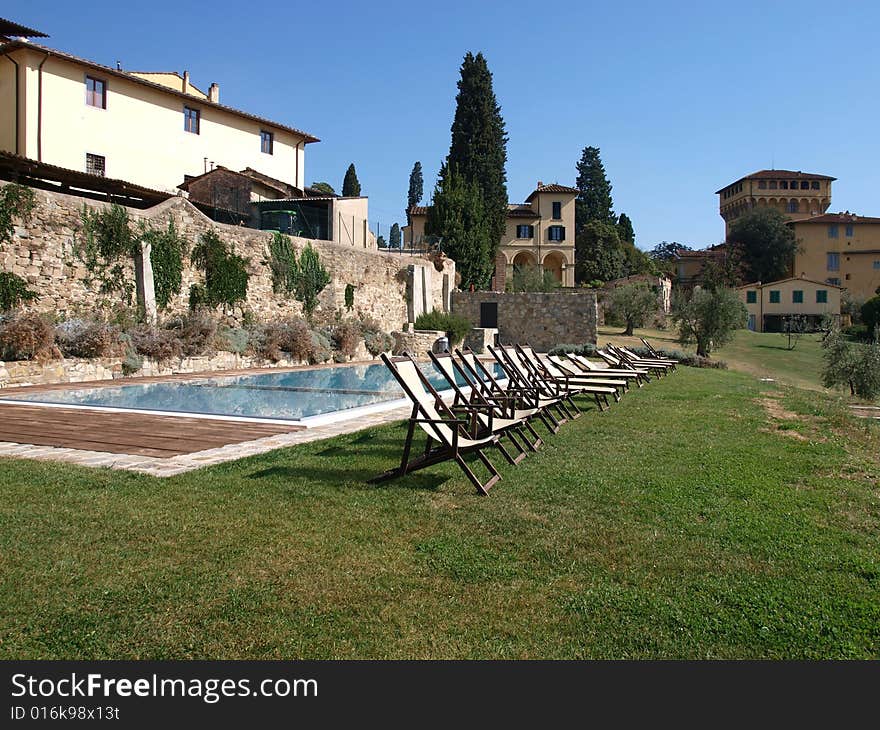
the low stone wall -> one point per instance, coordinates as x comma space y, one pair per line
542, 319
479, 337
41, 252
415, 342
74, 370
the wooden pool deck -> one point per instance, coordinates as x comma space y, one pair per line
125, 433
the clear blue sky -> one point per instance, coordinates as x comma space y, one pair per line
681, 97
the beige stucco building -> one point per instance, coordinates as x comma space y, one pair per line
798, 195
539, 232
841, 249
151, 129
768, 304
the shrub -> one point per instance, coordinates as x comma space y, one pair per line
267, 344
376, 340
532, 278
298, 340
16, 201
345, 337
455, 326
311, 278
276, 338
871, 315
27, 337
13, 291
195, 332
107, 244
322, 349
84, 338
232, 339
349, 297
167, 248
131, 363
157, 344
282, 263
587, 350
852, 365
856, 332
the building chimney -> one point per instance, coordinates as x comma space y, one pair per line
214, 94
540, 184
119, 65
185, 88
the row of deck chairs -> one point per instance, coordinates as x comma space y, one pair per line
488, 410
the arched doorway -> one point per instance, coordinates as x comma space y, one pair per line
553, 263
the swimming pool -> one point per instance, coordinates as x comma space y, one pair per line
291, 395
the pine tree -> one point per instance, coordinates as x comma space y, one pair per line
478, 151
416, 186
594, 200
323, 187
394, 237
351, 188
625, 229
458, 216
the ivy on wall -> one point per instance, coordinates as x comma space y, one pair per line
105, 246
226, 275
17, 202
282, 263
167, 249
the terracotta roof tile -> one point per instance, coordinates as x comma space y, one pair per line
778, 175
838, 218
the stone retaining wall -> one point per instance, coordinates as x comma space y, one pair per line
415, 342
42, 254
542, 319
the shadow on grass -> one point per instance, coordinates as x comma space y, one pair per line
775, 347
351, 478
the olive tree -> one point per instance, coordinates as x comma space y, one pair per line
709, 318
633, 303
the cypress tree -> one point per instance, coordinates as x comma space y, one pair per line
625, 229
594, 199
458, 216
416, 186
351, 187
478, 151
394, 238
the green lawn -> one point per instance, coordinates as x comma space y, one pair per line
764, 355
707, 515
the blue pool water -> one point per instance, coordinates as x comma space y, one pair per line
283, 395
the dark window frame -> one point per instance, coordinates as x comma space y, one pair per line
524, 228
191, 113
821, 296
557, 210
751, 297
775, 296
267, 136
797, 296
556, 233
91, 94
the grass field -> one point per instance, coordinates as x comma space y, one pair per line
764, 355
707, 515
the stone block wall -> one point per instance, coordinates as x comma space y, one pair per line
541, 319
415, 342
41, 252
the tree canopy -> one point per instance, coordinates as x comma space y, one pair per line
394, 237
324, 187
458, 215
478, 150
601, 255
625, 229
764, 244
351, 186
593, 202
416, 186
633, 303
709, 318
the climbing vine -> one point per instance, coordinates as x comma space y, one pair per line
13, 291
226, 275
105, 246
349, 297
167, 249
16, 202
311, 278
282, 263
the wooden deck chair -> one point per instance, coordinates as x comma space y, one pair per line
585, 365
522, 398
652, 350
660, 365
669, 362
492, 414
448, 436
599, 386
540, 371
526, 377
565, 366
616, 360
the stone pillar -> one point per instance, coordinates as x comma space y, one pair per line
146, 291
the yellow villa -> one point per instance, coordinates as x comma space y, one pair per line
799, 195
769, 304
539, 232
154, 129
841, 249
